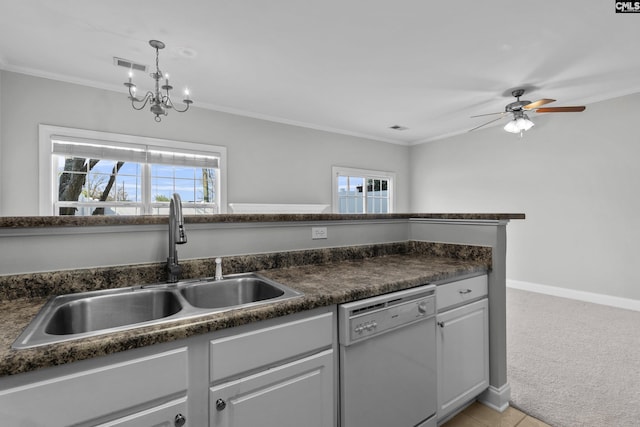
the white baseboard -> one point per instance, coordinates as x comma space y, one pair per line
496, 398
626, 303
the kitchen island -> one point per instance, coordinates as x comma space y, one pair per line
408, 251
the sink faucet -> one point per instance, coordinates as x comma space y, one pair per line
177, 236
218, 275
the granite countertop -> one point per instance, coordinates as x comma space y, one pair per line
79, 221
322, 284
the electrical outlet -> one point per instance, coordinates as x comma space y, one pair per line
318, 233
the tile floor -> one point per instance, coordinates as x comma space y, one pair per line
478, 415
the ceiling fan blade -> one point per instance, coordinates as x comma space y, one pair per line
561, 109
536, 104
478, 127
489, 114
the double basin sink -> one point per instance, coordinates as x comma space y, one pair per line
80, 315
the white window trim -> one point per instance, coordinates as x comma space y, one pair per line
46, 180
337, 171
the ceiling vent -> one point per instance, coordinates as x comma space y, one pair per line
120, 62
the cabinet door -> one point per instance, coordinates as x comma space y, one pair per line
101, 393
463, 355
170, 414
296, 394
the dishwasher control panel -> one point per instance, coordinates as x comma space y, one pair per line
373, 316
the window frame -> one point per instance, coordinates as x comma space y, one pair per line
47, 191
337, 171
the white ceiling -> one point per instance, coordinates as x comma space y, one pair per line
350, 66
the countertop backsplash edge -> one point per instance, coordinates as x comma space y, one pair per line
51, 283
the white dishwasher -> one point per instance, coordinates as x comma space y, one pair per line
388, 366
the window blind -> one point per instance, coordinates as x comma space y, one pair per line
127, 152
181, 157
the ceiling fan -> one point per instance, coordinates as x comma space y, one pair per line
518, 110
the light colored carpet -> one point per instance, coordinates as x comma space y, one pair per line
572, 363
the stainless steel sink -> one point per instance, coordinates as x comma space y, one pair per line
231, 292
74, 316
95, 313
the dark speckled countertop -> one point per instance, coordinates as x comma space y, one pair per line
325, 277
79, 221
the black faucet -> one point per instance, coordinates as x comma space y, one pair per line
177, 236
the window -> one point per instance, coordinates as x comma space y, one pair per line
94, 173
362, 191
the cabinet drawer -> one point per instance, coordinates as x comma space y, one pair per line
266, 347
460, 292
96, 393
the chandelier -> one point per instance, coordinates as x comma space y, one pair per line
159, 100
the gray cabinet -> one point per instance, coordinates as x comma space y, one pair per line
462, 342
136, 391
299, 393
275, 377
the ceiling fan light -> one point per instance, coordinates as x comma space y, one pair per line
512, 126
524, 123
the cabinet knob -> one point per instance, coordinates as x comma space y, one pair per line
220, 404
422, 307
441, 324
180, 420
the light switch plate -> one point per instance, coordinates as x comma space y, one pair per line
318, 233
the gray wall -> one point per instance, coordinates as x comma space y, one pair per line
575, 176
62, 248
267, 162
